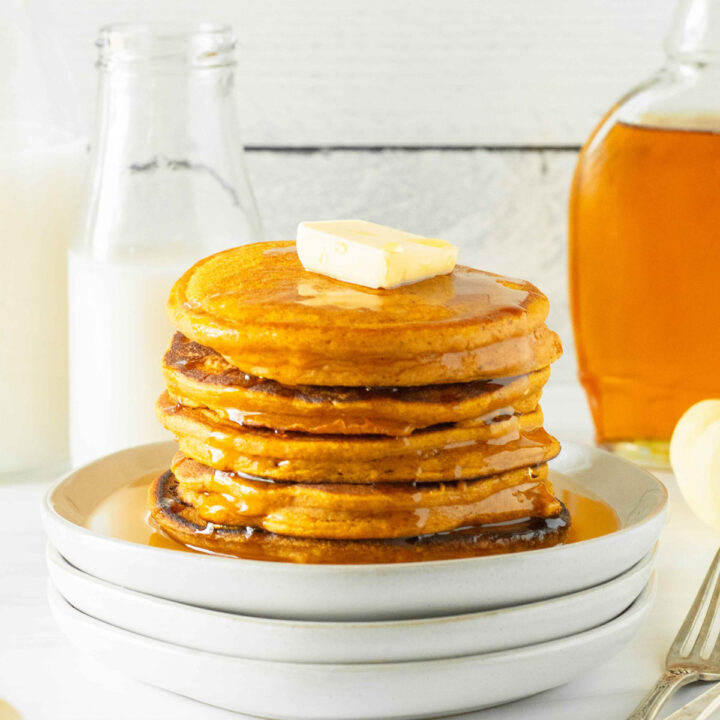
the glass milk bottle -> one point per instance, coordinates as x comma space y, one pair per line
644, 246
167, 187
42, 161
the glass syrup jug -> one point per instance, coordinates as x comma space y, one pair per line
167, 187
644, 246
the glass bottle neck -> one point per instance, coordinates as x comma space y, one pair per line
694, 35
167, 175
156, 84
157, 114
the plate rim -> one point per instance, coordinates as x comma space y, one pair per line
639, 607
53, 555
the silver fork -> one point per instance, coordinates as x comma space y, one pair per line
684, 665
701, 708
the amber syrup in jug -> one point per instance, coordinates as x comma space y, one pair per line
644, 257
644, 271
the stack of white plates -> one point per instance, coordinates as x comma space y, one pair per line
409, 640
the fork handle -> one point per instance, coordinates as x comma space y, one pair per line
668, 683
701, 707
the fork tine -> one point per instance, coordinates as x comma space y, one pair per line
708, 587
708, 620
715, 654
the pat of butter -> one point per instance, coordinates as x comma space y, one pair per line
364, 253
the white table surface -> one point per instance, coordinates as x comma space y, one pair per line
44, 677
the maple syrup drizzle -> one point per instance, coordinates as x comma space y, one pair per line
124, 515
464, 293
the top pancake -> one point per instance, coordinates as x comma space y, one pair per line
258, 307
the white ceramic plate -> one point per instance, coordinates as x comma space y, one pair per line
357, 592
334, 642
297, 691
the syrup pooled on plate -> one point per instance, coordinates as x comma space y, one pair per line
124, 515
589, 517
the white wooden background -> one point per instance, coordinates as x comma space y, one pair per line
456, 118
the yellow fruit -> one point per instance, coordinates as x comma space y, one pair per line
701, 488
695, 459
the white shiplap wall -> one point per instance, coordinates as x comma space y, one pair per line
408, 72
457, 118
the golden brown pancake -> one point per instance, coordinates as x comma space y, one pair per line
445, 453
320, 421
259, 308
181, 522
345, 511
197, 376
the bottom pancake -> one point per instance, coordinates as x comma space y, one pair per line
181, 522
338, 511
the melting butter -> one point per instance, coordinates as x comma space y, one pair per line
372, 255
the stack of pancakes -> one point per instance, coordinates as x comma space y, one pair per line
320, 421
